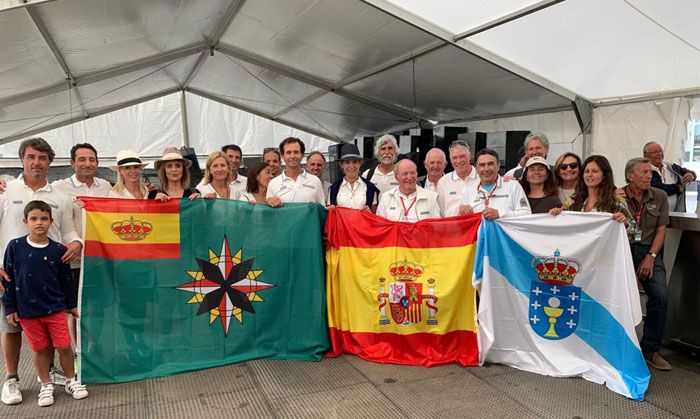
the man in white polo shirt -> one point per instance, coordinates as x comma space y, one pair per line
235, 156
294, 184
452, 188
316, 165
435, 163
36, 156
491, 195
84, 182
386, 150
408, 202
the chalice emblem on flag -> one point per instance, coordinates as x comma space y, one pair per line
554, 300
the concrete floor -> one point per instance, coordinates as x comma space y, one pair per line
354, 388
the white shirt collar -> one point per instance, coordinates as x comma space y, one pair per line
76, 183
285, 177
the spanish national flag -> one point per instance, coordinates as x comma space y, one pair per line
399, 292
132, 229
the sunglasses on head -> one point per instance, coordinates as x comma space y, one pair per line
564, 166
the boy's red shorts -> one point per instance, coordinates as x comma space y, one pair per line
51, 330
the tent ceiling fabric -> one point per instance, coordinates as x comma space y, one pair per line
600, 49
338, 68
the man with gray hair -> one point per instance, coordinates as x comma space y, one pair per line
669, 177
535, 144
646, 232
386, 150
408, 202
435, 163
452, 188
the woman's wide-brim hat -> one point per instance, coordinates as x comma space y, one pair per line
171, 156
349, 152
127, 158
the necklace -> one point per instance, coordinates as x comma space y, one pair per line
353, 190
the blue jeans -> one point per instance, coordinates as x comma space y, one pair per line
657, 299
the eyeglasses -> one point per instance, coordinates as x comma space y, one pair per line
269, 149
565, 166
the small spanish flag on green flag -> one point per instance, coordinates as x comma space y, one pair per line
400, 292
186, 285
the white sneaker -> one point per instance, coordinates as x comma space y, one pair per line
56, 377
10, 392
46, 395
76, 389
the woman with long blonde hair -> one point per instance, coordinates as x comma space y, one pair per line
129, 183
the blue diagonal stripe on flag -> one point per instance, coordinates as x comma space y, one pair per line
597, 326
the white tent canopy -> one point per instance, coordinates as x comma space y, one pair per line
335, 69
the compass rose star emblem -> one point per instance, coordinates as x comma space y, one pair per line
225, 286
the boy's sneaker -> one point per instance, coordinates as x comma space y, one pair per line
46, 395
76, 389
10, 392
56, 377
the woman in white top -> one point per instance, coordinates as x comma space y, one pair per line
566, 171
352, 190
217, 178
259, 176
129, 182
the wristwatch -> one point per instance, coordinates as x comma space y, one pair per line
652, 254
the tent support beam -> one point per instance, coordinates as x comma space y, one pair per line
312, 81
543, 4
108, 73
469, 47
507, 115
109, 109
15, 4
584, 115
214, 39
183, 118
692, 93
244, 108
48, 39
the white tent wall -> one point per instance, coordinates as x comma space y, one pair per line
148, 128
561, 128
151, 126
620, 131
212, 124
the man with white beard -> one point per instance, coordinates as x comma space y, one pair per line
386, 150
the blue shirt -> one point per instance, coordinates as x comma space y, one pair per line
40, 283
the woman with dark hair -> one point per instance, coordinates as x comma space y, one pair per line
173, 177
259, 176
538, 183
566, 172
352, 190
595, 191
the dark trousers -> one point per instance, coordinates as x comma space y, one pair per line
657, 299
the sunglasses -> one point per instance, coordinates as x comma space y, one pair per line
565, 166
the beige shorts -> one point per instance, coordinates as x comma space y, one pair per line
6, 327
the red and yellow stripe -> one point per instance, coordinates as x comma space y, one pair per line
362, 248
132, 229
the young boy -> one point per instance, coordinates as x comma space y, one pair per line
37, 296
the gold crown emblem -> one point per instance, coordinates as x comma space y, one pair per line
132, 230
556, 269
405, 270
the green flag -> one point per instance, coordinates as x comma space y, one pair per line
186, 285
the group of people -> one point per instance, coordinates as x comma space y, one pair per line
40, 222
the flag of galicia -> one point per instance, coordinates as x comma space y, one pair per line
562, 290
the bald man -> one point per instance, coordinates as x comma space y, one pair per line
435, 163
408, 202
